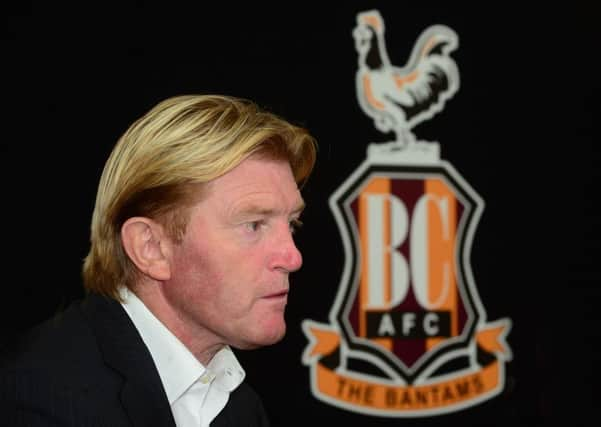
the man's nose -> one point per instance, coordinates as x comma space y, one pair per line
287, 257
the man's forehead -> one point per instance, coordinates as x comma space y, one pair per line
259, 186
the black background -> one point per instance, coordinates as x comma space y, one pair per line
522, 130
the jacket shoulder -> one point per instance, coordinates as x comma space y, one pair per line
60, 341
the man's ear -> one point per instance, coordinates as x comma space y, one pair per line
147, 246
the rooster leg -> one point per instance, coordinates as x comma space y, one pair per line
405, 139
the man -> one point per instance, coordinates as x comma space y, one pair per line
191, 249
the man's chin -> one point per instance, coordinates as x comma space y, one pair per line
274, 336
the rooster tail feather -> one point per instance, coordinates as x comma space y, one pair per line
437, 40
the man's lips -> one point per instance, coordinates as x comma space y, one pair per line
275, 295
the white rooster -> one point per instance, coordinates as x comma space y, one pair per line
398, 98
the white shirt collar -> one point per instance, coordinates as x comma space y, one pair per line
177, 366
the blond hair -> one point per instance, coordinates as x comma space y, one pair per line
159, 164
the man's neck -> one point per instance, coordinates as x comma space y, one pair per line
199, 341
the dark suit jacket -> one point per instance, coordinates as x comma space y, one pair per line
88, 366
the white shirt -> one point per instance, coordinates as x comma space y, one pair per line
196, 393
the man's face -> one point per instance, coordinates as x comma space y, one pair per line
229, 276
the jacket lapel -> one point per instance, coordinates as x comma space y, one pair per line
143, 396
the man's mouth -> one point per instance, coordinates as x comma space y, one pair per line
276, 295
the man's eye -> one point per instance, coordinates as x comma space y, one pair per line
253, 225
295, 225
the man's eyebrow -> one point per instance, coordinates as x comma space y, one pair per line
254, 209
299, 207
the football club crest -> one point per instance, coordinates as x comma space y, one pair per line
407, 335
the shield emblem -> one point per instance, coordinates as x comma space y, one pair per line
408, 296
